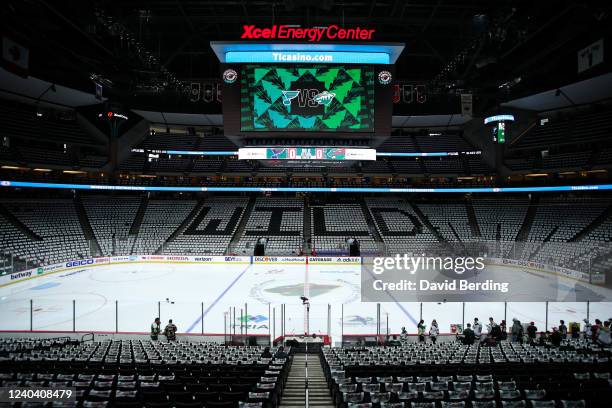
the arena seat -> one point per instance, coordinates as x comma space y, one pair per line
285, 236
135, 373
212, 229
111, 219
332, 224
509, 374
161, 219
54, 221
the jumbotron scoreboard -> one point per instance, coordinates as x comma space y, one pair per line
307, 82
313, 98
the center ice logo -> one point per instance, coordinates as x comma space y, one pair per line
357, 320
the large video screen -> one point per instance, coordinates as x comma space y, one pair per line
316, 98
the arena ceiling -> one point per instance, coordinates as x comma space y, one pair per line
501, 50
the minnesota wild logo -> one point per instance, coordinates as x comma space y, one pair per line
315, 289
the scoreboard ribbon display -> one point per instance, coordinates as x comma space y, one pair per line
306, 153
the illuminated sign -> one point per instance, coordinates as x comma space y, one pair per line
462, 190
499, 118
305, 153
313, 34
322, 57
113, 115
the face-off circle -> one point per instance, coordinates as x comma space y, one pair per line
230, 76
385, 77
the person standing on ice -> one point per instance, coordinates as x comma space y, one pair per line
170, 331
532, 332
155, 329
517, 331
421, 331
434, 331
562, 329
477, 327
404, 336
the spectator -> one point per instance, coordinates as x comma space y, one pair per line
532, 330
495, 332
266, 353
170, 331
468, 335
280, 353
595, 330
503, 327
603, 335
155, 329
434, 331
562, 329
404, 335
544, 337
574, 329
421, 330
556, 337
517, 331
477, 329
491, 325
586, 329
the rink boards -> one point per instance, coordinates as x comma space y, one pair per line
214, 294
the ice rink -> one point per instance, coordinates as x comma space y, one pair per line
126, 298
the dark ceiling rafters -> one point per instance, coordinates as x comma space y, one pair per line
178, 33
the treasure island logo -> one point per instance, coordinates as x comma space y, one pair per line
252, 322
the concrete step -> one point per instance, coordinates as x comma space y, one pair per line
294, 391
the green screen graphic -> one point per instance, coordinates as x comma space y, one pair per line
307, 98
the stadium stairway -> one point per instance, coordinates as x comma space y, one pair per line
540, 246
307, 244
9, 217
371, 223
246, 215
142, 208
294, 394
593, 225
425, 221
88, 233
474, 227
521, 236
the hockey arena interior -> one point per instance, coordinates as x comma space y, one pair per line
286, 203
